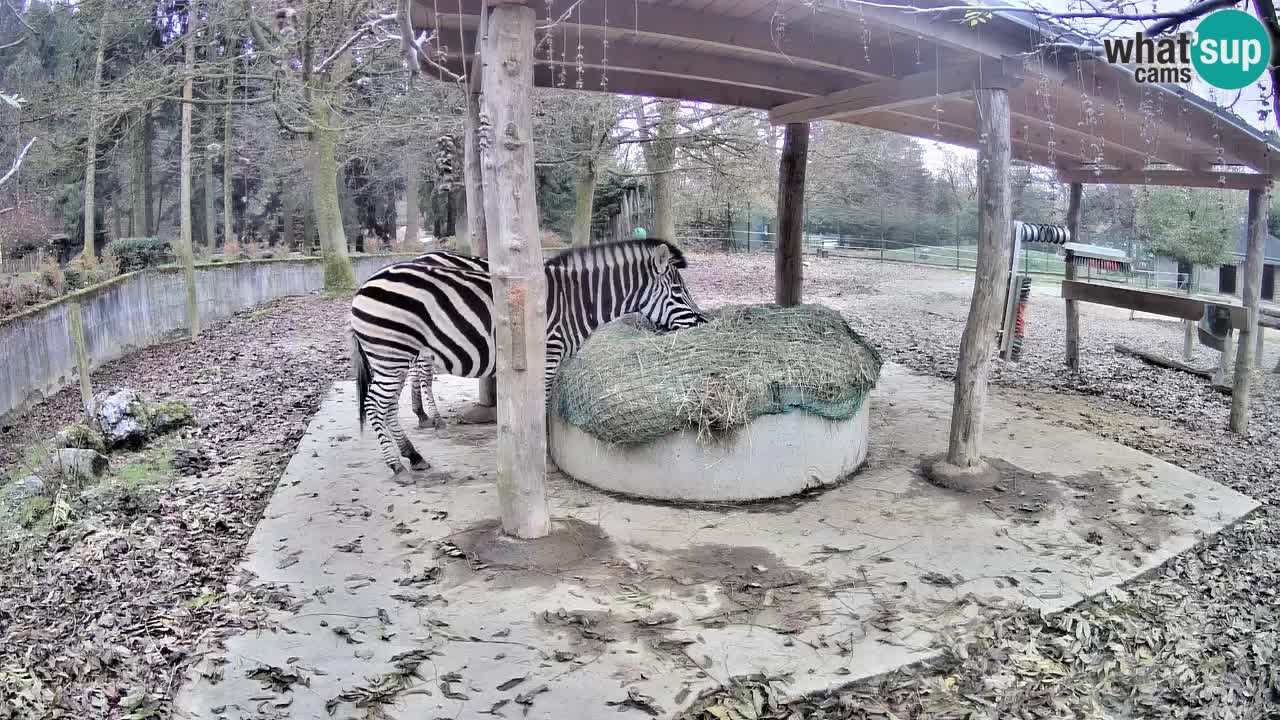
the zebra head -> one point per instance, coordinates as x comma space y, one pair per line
669, 304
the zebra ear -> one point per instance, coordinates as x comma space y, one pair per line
662, 256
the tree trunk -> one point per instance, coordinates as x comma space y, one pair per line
964, 466
151, 213
413, 216
289, 210
664, 182
449, 229
338, 274
185, 246
584, 198
210, 186
1073, 308
91, 148
519, 285
584, 137
659, 158
789, 252
228, 164
138, 190
1251, 296
473, 180
1189, 326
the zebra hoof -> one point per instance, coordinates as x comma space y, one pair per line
397, 470
425, 422
419, 463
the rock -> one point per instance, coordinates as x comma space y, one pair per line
20, 491
122, 417
79, 464
80, 436
170, 415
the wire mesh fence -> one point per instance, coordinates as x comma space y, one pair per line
957, 257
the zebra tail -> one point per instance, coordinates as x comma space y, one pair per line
360, 362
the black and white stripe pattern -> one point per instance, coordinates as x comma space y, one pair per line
441, 310
424, 370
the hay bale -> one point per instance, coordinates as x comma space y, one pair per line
628, 384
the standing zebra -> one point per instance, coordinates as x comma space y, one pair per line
413, 309
423, 373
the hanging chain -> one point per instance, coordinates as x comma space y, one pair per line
604, 60
1042, 91
581, 61
937, 96
550, 40
564, 57
866, 34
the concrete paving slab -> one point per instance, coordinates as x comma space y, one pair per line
666, 601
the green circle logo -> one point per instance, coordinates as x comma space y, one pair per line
1231, 49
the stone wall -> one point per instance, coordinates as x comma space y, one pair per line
38, 353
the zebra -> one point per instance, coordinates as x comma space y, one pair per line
423, 373
414, 308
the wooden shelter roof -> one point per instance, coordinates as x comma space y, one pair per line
887, 68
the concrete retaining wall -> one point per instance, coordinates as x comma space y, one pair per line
37, 354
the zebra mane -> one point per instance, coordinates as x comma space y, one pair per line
569, 258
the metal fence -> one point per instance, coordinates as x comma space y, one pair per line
12, 267
1033, 262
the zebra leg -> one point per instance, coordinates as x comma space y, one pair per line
382, 403
406, 448
415, 396
428, 373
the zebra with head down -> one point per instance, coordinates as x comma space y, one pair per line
440, 311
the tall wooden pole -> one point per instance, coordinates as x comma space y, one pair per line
484, 411
789, 250
186, 251
1073, 308
963, 467
1251, 295
519, 283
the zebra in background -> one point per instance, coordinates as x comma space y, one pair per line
423, 373
413, 309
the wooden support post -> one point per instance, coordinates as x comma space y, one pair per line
519, 282
1225, 360
789, 251
963, 467
485, 410
1251, 295
75, 327
1073, 308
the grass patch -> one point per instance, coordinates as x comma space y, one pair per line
154, 467
34, 458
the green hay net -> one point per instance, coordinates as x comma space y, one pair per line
628, 384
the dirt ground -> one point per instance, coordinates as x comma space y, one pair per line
100, 618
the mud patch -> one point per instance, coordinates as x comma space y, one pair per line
572, 546
751, 585
1100, 513
478, 436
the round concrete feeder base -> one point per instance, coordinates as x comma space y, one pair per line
773, 456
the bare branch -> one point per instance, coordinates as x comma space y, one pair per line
1188, 13
25, 24
17, 162
1267, 12
407, 47
346, 45
1095, 14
